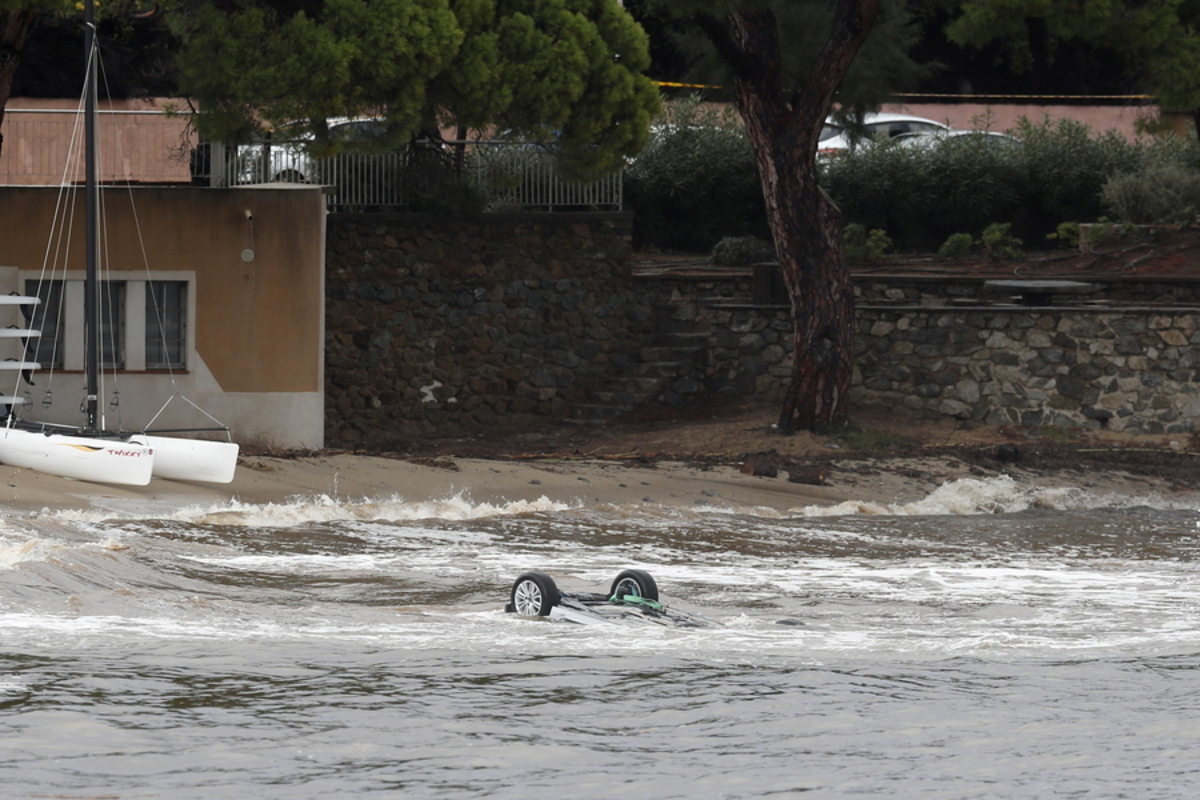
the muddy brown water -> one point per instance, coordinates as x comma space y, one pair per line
988, 641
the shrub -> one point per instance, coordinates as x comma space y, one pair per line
1067, 233
958, 245
864, 246
920, 195
696, 183
1064, 168
999, 243
1106, 232
1159, 194
733, 251
1056, 172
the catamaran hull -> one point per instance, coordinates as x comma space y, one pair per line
193, 459
127, 461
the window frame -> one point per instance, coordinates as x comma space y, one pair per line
129, 328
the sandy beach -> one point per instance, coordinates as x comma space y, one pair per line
728, 457
353, 478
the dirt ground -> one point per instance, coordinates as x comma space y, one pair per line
744, 435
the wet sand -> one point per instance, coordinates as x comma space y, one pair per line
262, 480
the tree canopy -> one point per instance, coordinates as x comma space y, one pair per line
1158, 42
881, 68
567, 72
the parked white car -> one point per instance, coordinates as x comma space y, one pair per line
837, 138
931, 139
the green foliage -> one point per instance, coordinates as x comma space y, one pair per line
999, 244
1168, 194
1066, 233
568, 72
862, 245
696, 183
957, 245
734, 251
1056, 172
1105, 231
1158, 41
920, 195
253, 66
1065, 167
881, 67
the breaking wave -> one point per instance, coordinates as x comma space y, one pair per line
1000, 495
302, 511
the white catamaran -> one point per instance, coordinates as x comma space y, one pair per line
90, 451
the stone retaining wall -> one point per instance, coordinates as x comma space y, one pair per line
450, 327
1137, 369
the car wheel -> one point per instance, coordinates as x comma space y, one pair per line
533, 595
634, 582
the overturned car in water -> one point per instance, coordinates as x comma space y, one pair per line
633, 596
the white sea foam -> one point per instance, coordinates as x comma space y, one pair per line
999, 495
13, 553
307, 510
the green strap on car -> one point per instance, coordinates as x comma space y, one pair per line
636, 600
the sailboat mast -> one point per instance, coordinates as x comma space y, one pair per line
91, 334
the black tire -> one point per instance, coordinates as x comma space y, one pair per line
634, 582
291, 176
533, 595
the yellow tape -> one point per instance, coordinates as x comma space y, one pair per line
677, 85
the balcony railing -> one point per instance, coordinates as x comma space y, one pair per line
152, 147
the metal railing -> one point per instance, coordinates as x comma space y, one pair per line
523, 176
153, 147
502, 175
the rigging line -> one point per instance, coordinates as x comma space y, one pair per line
187, 400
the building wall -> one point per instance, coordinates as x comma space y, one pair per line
136, 141
255, 261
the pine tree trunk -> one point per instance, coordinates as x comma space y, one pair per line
783, 127
14, 30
